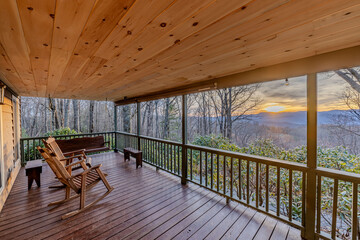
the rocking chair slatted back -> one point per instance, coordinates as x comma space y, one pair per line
57, 167
51, 144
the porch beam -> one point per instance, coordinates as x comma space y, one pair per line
115, 126
184, 140
344, 58
310, 191
138, 118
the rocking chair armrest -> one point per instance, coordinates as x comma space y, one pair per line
72, 157
78, 152
86, 171
74, 163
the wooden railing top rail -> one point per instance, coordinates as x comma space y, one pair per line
253, 158
161, 140
337, 174
128, 134
70, 135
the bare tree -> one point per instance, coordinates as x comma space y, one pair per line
351, 76
91, 116
75, 104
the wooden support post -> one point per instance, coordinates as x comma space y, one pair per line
184, 140
138, 124
310, 201
115, 127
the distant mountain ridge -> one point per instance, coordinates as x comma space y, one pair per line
294, 118
290, 119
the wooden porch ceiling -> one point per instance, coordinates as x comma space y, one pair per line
109, 49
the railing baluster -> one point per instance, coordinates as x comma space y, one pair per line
151, 151
257, 185
248, 182
33, 149
217, 172
178, 162
163, 155
290, 193
28, 149
240, 179
231, 176
169, 156
318, 205
267, 188
158, 153
211, 171
334, 213
22, 152
354, 226
278, 191
200, 167
303, 201
191, 164
166, 155
172, 158
224, 168
206, 168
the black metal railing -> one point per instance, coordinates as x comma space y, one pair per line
29, 151
274, 187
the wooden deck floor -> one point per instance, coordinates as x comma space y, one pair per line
145, 204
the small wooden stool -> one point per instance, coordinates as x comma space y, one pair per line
33, 170
135, 153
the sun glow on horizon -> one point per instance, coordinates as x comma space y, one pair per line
274, 109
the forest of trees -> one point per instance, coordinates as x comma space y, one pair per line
42, 115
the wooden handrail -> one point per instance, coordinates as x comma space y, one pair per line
253, 158
337, 174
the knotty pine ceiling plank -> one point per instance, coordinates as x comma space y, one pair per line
70, 19
103, 19
37, 18
266, 57
128, 28
14, 44
8, 73
178, 60
161, 25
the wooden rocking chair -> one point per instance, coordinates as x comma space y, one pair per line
51, 144
80, 182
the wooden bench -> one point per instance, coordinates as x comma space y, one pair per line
87, 144
135, 153
33, 169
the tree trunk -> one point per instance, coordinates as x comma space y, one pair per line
54, 113
91, 116
166, 119
228, 115
156, 119
76, 115
66, 113
45, 114
126, 118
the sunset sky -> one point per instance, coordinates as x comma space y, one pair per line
278, 97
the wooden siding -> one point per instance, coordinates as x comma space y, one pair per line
8, 143
146, 204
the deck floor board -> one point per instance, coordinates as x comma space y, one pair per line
145, 204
